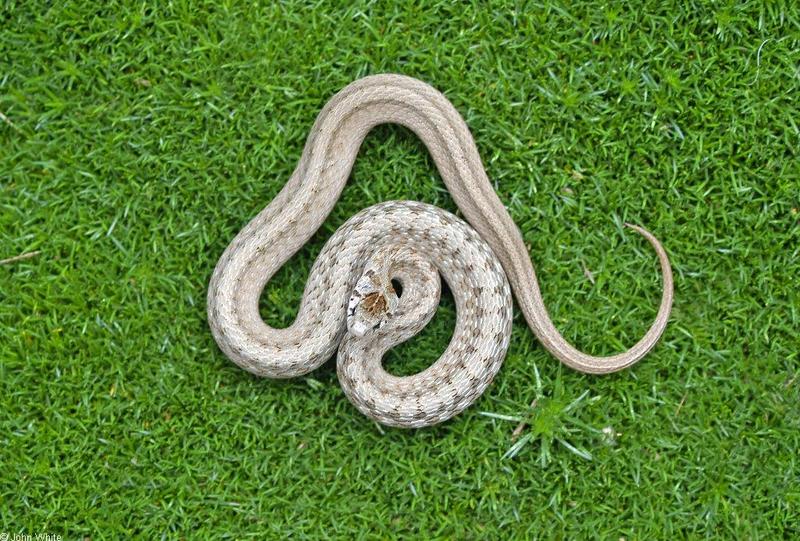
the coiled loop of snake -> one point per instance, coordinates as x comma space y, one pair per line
286, 224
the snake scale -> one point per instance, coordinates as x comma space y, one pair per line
350, 303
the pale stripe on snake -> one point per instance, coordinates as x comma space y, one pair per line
350, 283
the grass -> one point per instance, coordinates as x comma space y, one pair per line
135, 141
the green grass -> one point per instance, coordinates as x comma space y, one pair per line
135, 141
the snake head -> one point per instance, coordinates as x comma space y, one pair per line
371, 304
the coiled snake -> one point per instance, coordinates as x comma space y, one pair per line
349, 301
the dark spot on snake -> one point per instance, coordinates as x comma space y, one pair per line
499, 338
398, 287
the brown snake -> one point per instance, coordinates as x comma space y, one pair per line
350, 286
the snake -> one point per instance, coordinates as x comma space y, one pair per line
377, 280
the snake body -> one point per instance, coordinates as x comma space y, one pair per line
349, 301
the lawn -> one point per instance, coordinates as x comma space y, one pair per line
136, 140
